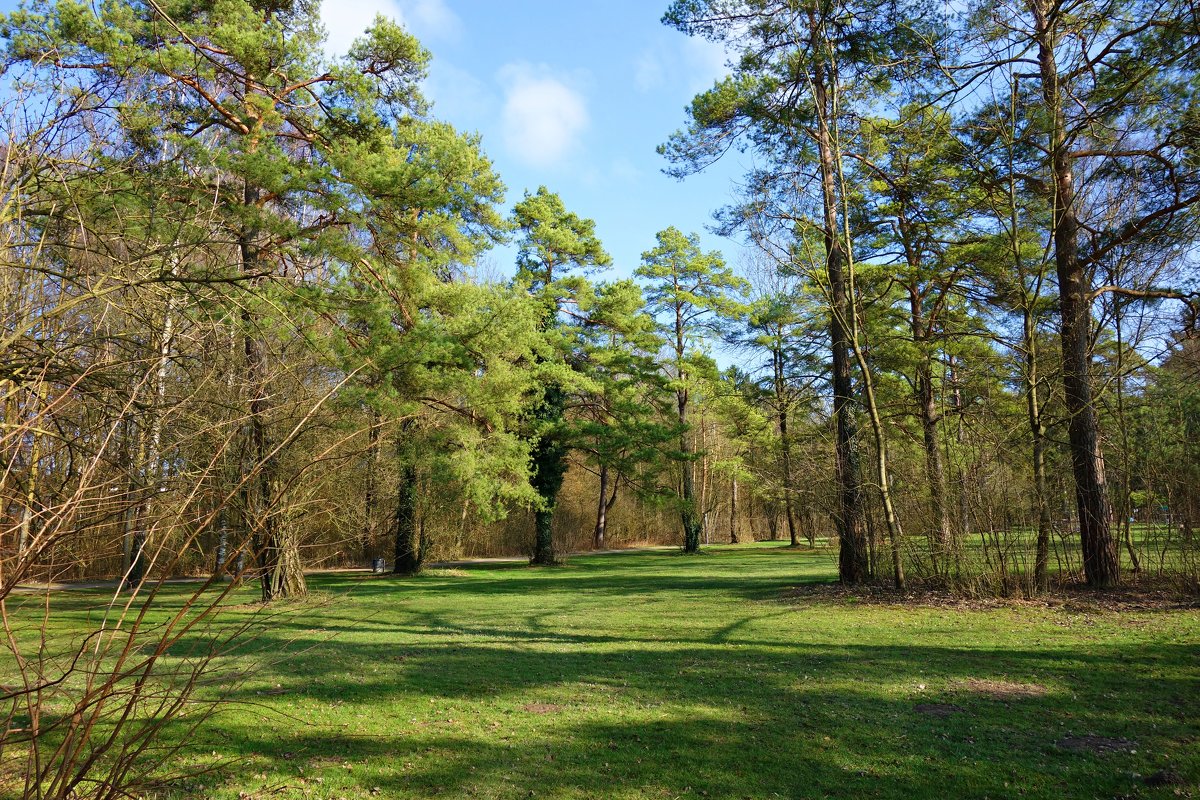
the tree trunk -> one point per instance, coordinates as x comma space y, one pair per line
1125, 525
692, 523
1037, 431
368, 529
786, 451
26, 533
549, 460
222, 542
280, 572
853, 567
1100, 564
733, 509
935, 473
408, 542
602, 506
151, 471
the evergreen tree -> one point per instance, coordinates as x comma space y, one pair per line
556, 249
691, 293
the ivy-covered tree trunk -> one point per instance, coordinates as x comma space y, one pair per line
408, 539
549, 468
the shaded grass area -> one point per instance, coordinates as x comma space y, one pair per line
658, 675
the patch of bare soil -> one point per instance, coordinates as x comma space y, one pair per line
1091, 743
1164, 777
939, 710
1142, 594
542, 708
1002, 690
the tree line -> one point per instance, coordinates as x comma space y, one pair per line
249, 326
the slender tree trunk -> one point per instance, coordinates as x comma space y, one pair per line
1125, 526
1100, 564
26, 531
1032, 380
1037, 430
935, 472
601, 510
960, 437
151, 467
883, 474
369, 500
733, 509
785, 446
222, 542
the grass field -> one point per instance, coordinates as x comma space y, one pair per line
653, 675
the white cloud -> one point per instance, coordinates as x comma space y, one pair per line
649, 73
691, 63
543, 117
705, 61
460, 97
346, 20
433, 18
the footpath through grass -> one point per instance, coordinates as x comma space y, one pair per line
654, 675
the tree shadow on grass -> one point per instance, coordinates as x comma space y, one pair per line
793, 720
816, 721
578, 683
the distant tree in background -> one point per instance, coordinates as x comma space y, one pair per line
692, 294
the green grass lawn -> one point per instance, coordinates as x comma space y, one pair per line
661, 676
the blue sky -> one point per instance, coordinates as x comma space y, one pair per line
572, 95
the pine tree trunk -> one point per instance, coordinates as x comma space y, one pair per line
1100, 564
278, 575
853, 566
692, 523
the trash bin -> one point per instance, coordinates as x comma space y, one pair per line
377, 566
